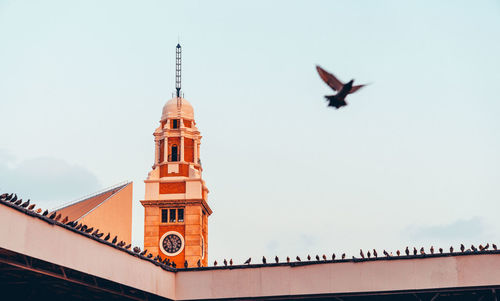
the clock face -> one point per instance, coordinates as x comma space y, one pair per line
172, 243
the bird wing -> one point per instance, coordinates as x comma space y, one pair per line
330, 79
356, 88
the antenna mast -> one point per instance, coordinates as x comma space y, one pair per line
178, 54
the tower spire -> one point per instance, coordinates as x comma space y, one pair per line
178, 55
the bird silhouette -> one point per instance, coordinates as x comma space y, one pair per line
324, 257
65, 219
25, 204
385, 253
440, 250
45, 212
58, 217
31, 207
486, 246
114, 240
89, 230
149, 255
107, 236
375, 254
14, 198
53, 215
215, 263
308, 257
100, 235
185, 264
317, 257
474, 249
136, 249
38, 210
407, 251
462, 248
276, 259
198, 263
121, 244
337, 100
361, 253
231, 261
494, 246
414, 251
264, 261
298, 258
143, 252
18, 202
422, 252
225, 262
248, 260
481, 248
333, 256
343, 255
79, 226
174, 265
368, 254
83, 228
127, 246
288, 259
451, 249
95, 232
398, 253
432, 249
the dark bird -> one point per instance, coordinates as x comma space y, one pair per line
333, 256
474, 249
414, 251
276, 259
174, 265
99, 235
95, 232
231, 261
440, 250
264, 261
89, 230
308, 257
114, 240
107, 236
4, 195
215, 263
248, 260
361, 253
31, 207
422, 252
18, 202
185, 264
25, 204
451, 249
481, 248
8, 197
385, 253
368, 254
317, 257
79, 226
287, 259
375, 253
198, 263
407, 251
494, 246
65, 220
83, 228
53, 215
298, 258
398, 253
337, 100
432, 249
225, 262
136, 249
149, 255
343, 255
143, 252
324, 257
121, 243
58, 217
462, 248
127, 246
14, 198
486, 246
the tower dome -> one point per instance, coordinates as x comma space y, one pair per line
177, 107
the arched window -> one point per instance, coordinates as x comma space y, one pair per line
174, 154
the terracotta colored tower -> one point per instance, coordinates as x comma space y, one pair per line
175, 203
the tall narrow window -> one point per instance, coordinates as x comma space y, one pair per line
164, 215
160, 150
175, 153
180, 215
175, 123
172, 216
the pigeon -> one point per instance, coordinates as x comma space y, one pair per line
481, 248
58, 217
127, 246
462, 248
407, 251
375, 253
385, 253
474, 249
45, 212
174, 265
31, 207
65, 220
288, 259
231, 261
248, 260
298, 258
440, 250
264, 261
432, 249
78, 226
89, 230
185, 264
18, 202
333, 256
95, 232
398, 253
149, 255
276, 259
198, 263
361, 253
121, 244
414, 251
317, 257
38, 210
225, 262
4, 195
143, 252
114, 240
486, 246
83, 228
343, 90
136, 249
107, 236
25, 204
215, 263
14, 198
308, 257
422, 252
324, 257
494, 246
451, 249
100, 235
368, 254
343, 255
53, 215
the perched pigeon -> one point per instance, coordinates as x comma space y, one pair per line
248, 260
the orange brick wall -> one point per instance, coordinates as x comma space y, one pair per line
177, 187
188, 150
187, 123
183, 171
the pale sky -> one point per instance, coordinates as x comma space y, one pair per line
413, 160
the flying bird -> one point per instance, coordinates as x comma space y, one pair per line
337, 100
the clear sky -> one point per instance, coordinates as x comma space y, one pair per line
413, 160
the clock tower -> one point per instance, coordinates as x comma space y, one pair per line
175, 204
